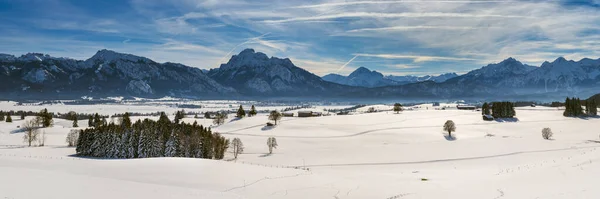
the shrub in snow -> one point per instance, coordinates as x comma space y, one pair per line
72, 138
547, 133
397, 107
272, 143
220, 118
8, 118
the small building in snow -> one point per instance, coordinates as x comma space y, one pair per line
465, 107
305, 113
287, 114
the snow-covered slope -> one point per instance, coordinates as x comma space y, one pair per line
374, 155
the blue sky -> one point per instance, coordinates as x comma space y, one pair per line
401, 37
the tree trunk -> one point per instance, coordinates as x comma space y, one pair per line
449, 133
270, 149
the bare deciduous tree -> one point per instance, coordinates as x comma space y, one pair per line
72, 137
42, 139
31, 131
272, 143
237, 146
547, 133
449, 127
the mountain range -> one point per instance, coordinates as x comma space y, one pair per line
253, 74
363, 77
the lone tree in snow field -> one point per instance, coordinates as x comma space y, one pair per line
237, 146
30, 127
272, 143
8, 118
547, 133
252, 111
397, 107
449, 127
240, 112
275, 116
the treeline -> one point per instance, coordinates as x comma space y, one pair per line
293, 108
148, 138
499, 109
573, 108
353, 108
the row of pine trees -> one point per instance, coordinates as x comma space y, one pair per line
149, 138
499, 109
573, 108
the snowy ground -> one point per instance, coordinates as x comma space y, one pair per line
374, 155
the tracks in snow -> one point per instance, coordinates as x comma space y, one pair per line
443, 160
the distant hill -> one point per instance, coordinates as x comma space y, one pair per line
364, 77
595, 98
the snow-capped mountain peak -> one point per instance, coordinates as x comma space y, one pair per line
108, 56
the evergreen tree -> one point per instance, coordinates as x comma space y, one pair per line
8, 118
45, 118
91, 121
173, 145
206, 115
97, 120
590, 108
178, 116
22, 115
240, 112
1, 116
485, 109
75, 122
568, 112
126, 121
252, 111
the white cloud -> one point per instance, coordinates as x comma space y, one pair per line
415, 58
348, 3
408, 28
391, 15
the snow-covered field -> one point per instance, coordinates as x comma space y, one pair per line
374, 155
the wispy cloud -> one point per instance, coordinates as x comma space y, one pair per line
349, 3
409, 28
241, 44
391, 15
416, 58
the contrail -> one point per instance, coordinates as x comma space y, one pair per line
248, 41
343, 66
